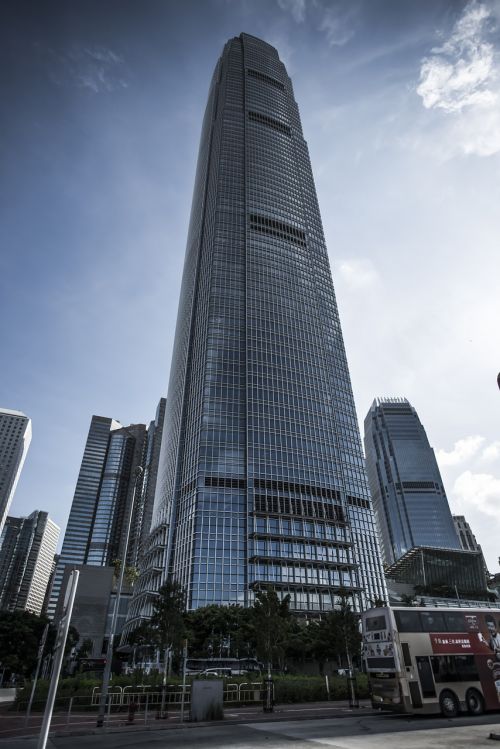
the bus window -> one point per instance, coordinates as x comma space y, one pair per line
408, 621
455, 621
425, 676
374, 623
454, 668
406, 654
432, 622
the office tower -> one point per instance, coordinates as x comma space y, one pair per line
261, 478
27, 548
146, 560
95, 532
467, 538
151, 460
15, 438
408, 493
465, 535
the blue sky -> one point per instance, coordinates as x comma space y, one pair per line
102, 106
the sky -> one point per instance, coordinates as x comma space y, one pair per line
102, 105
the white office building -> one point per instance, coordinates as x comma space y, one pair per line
15, 438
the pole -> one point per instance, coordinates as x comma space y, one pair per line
35, 679
184, 656
62, 635
68, 717
109, 651
166, 656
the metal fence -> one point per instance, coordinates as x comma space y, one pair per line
132, 704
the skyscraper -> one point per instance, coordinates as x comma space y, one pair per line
408, 493
104, 489
147, 556
15, 438
261, 478
27, 548
464, 532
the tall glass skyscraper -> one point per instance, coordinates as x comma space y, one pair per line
95, 534
27, 548
262, 478
408, 493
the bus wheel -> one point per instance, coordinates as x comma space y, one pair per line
449, 704
475, 702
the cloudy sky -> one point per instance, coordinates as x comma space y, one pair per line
101, 114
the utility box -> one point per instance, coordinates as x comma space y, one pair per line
207, 699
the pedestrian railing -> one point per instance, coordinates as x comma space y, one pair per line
132, 704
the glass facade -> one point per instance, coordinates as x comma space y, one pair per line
408, 493
27, 548
104, 490
261, 476
15, 439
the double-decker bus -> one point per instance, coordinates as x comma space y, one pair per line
431, 660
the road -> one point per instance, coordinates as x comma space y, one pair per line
361, 731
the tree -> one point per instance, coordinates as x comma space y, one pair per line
337, 635
301, 639
272, 622
131, 573
408, 600
20, 635
220, 631
167, 622
377, 602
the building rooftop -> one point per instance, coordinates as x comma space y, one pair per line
11, 412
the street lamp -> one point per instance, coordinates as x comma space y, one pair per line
109, 652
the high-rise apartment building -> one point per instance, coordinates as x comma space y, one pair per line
95, 532
408, 493
261, 478
15, 438
27, 548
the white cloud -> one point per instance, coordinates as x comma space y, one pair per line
462, 450
98, 69
476, 496
336, 27
459, 73
296, 7
461, 78
491, 452
358, 273
479, 491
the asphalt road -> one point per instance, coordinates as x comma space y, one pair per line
366, 731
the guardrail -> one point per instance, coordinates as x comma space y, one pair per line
246, 692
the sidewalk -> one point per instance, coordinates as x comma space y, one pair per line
12, 726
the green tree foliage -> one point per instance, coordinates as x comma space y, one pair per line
301, 639
131, 573
272, 623
337, 634
20, 635
220, 631
167, 626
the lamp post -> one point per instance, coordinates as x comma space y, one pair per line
109, 652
